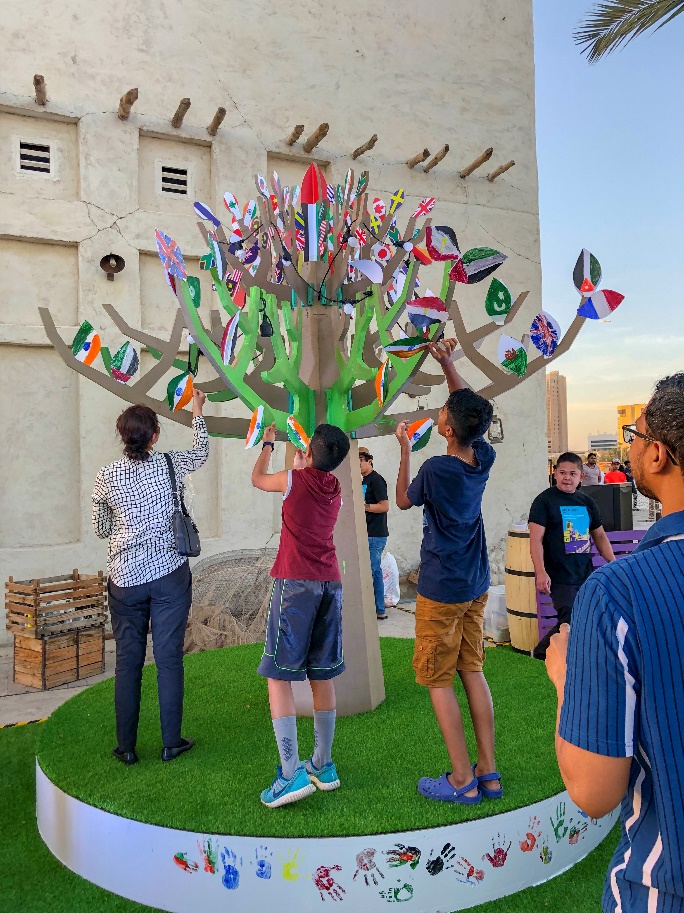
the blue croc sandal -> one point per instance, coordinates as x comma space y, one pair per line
441, 790
489, 793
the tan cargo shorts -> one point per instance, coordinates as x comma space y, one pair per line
449, 639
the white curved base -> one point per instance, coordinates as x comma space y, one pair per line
485, 860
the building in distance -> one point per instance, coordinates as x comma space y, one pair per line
602, 440
627, 415
556, 412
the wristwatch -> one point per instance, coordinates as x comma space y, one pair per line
268, 444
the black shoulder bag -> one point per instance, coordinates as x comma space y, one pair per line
185, 532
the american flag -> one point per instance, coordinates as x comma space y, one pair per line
425, 207
330, 193
170, 255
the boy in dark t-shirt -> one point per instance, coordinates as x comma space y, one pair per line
562, 520
304, 627
377, 507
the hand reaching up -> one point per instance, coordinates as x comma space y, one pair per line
443, 350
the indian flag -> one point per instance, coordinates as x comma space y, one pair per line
600, 304
125, 363
228, 339
86, 344
587, 273
255, 431
296, 433
179, 392
419, 433
382, 382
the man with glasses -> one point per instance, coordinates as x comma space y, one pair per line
618, 672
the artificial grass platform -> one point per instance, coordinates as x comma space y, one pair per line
380, 755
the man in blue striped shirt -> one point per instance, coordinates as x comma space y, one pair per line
621, 692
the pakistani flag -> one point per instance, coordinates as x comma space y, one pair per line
125, 363
476, 264
498, 301
587, 273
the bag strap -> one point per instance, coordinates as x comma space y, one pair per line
179, 503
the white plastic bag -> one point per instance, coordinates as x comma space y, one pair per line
495, 617
390, 578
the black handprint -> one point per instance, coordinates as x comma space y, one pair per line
441, 862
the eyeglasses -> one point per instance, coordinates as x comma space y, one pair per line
629, 433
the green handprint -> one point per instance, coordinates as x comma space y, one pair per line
560, 828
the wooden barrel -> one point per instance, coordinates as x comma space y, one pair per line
521, 593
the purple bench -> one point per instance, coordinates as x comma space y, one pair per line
623, 542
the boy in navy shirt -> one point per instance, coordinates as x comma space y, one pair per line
453, 583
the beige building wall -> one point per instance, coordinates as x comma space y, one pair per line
418, 75
556, 412
627, 415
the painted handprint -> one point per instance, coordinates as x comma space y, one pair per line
499, 853
545, 853
403, 855
445, 860
560, 828
182, 861
262, 862
533, 834
326, 884
209, 853
577, 832
290, 870
398, 895
366, 864
231, 869
466, 872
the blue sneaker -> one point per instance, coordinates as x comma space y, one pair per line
325, 777
282, 791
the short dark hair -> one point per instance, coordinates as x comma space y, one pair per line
329, 447
136, 426
591, 454
469, 415
569, 457
664, 415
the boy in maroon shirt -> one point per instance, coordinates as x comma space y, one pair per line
304, 627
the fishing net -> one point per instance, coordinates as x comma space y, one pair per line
230, 596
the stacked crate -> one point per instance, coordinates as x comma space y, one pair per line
58, 627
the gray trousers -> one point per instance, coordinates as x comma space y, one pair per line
165, 603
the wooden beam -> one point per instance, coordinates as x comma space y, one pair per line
40, 88
418, 158
181, 111
367, 146
212, 129
126, 102
437, 159
480, 160
500, 170
294, 135
319, 133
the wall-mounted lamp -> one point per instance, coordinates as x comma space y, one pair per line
112, 264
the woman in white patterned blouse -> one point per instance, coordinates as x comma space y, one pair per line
149, 582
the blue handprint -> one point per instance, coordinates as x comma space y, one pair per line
231, 869
262, 864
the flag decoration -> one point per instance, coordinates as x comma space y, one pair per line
393, 234
255, 432
207, 262
296, 191
233, 282
378, 213
87, 344
300, 231
339, 193
441, 242
262, 186
424, 312
195, 290
170, 255
476, 264
381, 252
278, 271
203, 212
600, 304
419, 432
179, 391
407, 348
330, 193
277, 186
587, 273
296, 433
348, 184
545, 333
396, 286
251, 254
229, 339
362, 185
422, 255
512, 355
232, 205
314, 188
368, 268
396, 200
251, 211
425, 207
382, 382
498, 301
215, 248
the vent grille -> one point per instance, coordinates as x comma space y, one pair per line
174, 180
34, 157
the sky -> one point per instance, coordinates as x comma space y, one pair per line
610, 144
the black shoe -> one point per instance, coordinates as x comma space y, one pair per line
126, 757
168, 754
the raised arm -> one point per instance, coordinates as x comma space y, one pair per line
187, 461
261, 478
404, 476
442, 352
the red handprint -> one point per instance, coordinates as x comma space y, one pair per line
182, 861
577, 831
466, 872
499, 855
533, 834
326, 883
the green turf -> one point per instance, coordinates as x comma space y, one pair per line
380, 755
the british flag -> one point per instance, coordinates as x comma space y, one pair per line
425, 207
170, 255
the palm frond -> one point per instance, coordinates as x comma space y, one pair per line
613, 23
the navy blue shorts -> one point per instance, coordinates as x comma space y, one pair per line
303, 631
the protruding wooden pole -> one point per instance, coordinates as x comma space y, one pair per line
500, 170
366, 146
319, 133
294, 136
480, 160
181, 111
438, 158
212, 129
418, 158
41, 89
126, 102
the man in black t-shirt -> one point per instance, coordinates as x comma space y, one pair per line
377, 508
562, 523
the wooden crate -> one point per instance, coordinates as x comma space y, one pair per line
55, 605
57, 659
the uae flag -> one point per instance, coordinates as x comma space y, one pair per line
314, 192
441, 242
587, 273
476, 264
600, 304
125, 363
